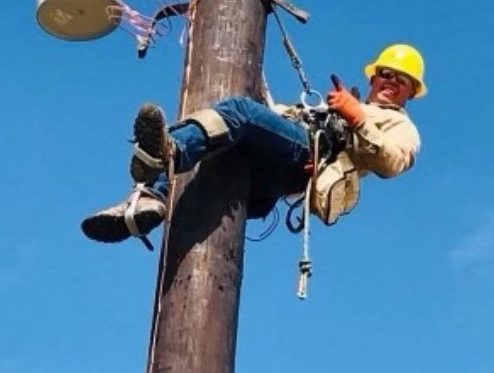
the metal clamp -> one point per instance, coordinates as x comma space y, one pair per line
305, 266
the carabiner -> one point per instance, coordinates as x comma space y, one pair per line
320, 105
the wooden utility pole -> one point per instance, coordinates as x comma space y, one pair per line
196, 310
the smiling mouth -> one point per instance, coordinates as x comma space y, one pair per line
390, 90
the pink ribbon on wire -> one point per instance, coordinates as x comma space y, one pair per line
131, 20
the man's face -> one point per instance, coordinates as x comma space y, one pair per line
389, 86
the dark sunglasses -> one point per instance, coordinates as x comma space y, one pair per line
389, 74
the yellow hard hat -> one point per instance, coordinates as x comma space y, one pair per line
403, 58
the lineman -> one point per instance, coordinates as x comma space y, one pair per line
385, 142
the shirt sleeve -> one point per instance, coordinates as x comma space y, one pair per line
388, 146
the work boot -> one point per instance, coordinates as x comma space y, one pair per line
137, 216
153, 147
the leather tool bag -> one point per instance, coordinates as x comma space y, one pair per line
335, 189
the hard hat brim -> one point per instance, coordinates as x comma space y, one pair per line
370, 71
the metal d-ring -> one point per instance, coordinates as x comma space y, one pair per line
312, 92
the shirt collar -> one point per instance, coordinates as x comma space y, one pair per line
388, 106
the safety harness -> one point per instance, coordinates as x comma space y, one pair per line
327, 130
328, 136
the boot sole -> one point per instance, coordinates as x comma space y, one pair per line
149, 133
111, 228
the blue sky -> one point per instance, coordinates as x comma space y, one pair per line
404, 284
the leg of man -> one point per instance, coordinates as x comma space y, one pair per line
280, 141
247, 121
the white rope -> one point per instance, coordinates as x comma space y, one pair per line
305, 251
161, 275
267, 93
171, 196
305, 263
161, 280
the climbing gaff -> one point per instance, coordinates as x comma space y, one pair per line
76, 20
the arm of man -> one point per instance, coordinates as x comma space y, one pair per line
387, 141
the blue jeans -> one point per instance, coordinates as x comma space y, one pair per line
277, 149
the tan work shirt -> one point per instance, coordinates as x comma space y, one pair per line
387, 143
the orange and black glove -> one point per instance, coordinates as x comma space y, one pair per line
344, 103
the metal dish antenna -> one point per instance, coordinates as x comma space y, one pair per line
77, 20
